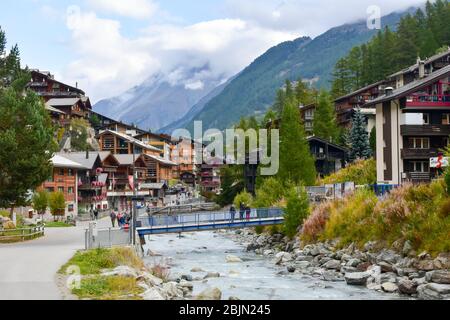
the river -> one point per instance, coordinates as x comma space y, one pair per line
256, 278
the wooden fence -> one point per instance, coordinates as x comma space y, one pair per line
15, 235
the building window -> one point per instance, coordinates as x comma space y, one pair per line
446, 141
61, 189
446, 118
50, 189
70, 190
61, 172
70, 172
70, 208
426, 118
419, 143
420, 166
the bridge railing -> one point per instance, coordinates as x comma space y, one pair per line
198, 218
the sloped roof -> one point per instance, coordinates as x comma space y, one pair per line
153, 186
80, 157
50, 108
416, 66
376, 84
126, 159
62, 162
411, 87
131, 139
62, 102
162, 160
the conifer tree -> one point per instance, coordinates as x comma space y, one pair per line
325, 125
359, 138
296, 163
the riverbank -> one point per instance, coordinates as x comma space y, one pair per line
216, 260
398, 271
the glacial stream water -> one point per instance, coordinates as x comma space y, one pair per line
255, 278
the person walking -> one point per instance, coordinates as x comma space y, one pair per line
241, 211
248, 212
119, 219
232, 213
113, 218
96, 214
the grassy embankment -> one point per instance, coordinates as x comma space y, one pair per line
420, 214
58, 224
97, 287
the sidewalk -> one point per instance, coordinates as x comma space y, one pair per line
28, 270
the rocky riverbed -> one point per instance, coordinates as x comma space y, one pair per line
399, 271
214, 265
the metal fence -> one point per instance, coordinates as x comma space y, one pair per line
206, 217
106, 238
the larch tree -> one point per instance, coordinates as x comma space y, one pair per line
325, 125
296, 162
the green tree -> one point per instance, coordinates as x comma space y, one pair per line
40, 201
269, 193
232, 184
57, 205
243, 198
79, 135
325, 125
27, 145
297, 210
358, 138
296, 162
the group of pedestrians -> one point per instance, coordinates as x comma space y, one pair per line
122, 219
244, 212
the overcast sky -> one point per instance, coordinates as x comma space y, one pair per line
109, 46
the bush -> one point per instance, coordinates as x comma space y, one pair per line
447, 180
57, 204
259, 230
108, 288
269, 194
361, 172
4, 213
315, 224
296, 211
445, 209
245, 198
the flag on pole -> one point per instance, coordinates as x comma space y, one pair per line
131, 182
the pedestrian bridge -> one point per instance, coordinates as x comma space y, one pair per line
206, 221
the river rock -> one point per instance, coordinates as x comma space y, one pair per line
121, 271
150, 279
425, 265
172, 290
302, 264
389, 287
304, 258
267, 252
186, 277
440, 276
407, 248
233, 298
212, 275
442, 261
407, 286
233, 259
186, 286
291, 269
388, 256
385, 266
197, 269
153, 294
332, 276
357, 278
434, 291
353, 262
332, 264
210, 294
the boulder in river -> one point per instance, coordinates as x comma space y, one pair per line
197, 269
233, 259
357, 278
434, 291
440, 276
212, 275
153, 294
210, 294
389, 287
407, 286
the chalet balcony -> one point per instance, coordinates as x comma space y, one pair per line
425, 130
416, 154
427, 100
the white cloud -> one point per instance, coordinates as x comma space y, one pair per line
139, 9
109, 63
309, 17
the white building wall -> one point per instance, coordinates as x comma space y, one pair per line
380, 143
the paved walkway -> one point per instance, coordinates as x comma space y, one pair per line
28, 270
